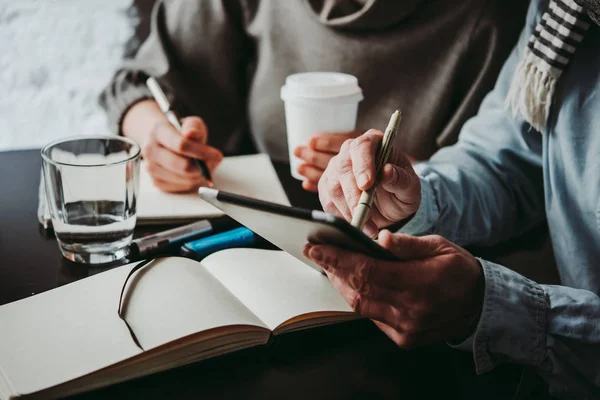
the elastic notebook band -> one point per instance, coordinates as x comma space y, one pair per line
119, 311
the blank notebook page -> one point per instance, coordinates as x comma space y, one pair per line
274, 285
64, 333
75, 329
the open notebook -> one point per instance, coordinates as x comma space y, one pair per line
252, 176
70, 339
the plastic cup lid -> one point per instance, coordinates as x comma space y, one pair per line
318, 85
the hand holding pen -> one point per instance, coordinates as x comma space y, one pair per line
356, 169
170, 148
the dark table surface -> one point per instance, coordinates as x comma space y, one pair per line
351, 360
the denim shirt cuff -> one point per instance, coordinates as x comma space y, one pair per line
512, 327
427, 214
466, 345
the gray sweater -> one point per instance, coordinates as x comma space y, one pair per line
226, 60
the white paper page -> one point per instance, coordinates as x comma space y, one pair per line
274, 285
74, 330
252, 176
64, 333
175, 297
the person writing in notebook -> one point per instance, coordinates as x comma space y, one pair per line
224, 63
536, 160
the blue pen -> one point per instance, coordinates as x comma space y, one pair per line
200, 248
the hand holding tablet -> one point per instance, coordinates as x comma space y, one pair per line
290, 228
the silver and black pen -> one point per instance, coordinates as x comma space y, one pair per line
361, 211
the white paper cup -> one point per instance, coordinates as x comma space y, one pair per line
318, 102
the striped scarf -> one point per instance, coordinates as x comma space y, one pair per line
548, 52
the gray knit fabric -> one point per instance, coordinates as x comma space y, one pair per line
226, 60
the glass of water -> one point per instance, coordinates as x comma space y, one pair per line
92, 183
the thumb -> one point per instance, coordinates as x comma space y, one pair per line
194, 128
408, 247
402, 182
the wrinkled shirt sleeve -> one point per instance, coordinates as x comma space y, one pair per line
554, 328
489, 186
483, 190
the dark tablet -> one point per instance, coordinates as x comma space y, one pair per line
290, 228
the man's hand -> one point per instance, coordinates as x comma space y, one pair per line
316, 155
433, 295
353, 170
169, 153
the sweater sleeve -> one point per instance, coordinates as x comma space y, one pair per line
199, 52
492, 38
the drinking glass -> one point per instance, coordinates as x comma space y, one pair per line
92, 183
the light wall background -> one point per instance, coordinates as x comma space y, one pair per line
55, 58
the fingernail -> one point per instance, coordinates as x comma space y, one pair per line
362, 179
384, 238
316, 254
371, 230
306, 250
297, 151
313, 142
187, 133
321, 143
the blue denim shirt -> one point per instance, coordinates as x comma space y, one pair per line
502, 178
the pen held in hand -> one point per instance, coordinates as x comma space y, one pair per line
165, 106
361, 211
